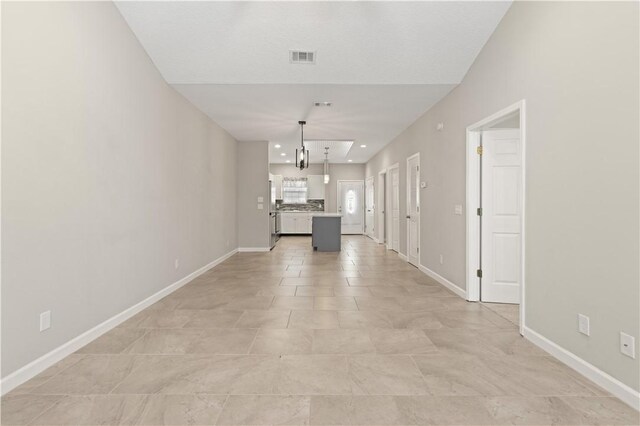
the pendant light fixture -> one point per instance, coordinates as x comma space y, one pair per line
302, 158
326, 165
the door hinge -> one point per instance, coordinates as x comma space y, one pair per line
479, 273
417, 249
417, 168
417, 209
479, 211
479, 150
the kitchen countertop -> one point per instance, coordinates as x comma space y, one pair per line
318, 214
298, 211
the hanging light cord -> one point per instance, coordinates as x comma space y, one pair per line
302, 162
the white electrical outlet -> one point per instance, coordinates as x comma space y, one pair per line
628, 345
583, 324
260, 206
176, 263
45, 320
441, 259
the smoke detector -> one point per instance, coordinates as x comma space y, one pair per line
302, 57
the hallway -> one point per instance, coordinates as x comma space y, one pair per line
297, 337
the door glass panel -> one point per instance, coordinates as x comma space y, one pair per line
352, 202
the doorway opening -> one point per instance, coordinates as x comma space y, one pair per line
393, 207
413, 209
495, 208
351, 206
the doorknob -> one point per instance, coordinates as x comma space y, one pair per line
408, 217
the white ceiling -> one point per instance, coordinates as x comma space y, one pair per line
316, 149
382, 63
367, 114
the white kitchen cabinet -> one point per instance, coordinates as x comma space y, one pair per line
295, 223
303, 224
287, 223
315, 187
277, 182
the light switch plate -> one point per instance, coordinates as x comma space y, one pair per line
628, 345
423, 185
457, 209
261, 199
583, 324
45, 320
260, 206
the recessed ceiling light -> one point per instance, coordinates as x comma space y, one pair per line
277, 146
350, 161
363, 146
288, 161
283, 153
323, 104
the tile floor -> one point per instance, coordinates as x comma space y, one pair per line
297, 337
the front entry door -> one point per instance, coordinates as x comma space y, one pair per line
502, 191
413, 210
351, 206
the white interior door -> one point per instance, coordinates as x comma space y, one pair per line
502, 192
382, 209
351, 206
413, 209
395, 208
369, 208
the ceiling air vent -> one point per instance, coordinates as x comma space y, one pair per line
301, 57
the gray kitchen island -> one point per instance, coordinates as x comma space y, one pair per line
326, 231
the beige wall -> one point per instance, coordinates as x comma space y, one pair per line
576, 64
108, 176
336, 171
253, 182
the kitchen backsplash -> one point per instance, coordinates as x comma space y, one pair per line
309, 206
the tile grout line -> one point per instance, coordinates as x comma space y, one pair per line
289, 319
40, 414
253, 341
224, 404
82, 356
147, 331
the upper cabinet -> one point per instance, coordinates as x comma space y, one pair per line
277, 182
315, 187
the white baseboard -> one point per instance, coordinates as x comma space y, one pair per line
377, 241
37, 366
253, 249
611, 384
445, 282
402, 256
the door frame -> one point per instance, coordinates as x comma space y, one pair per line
371, 233
473, 201
417, 154
363, 204
381, 212
389, 205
